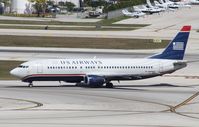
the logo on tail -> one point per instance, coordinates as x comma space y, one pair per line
178, 45
176, 48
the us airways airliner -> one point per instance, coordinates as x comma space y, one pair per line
98, 72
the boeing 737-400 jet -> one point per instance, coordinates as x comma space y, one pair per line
97, 72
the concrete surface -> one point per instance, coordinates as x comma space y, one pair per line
163, 26
75, 17
137, 103
167, 101
24, 54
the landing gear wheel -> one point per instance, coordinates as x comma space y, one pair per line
30, 85
77, 84
109, 85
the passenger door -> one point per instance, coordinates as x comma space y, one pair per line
39, 68
161, 67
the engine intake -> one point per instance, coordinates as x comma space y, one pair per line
94, 81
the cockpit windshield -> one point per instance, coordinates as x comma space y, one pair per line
22, 66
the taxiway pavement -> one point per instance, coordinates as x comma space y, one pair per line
146, 103
167, 101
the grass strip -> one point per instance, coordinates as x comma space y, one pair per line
69, 28
104, 22
6, 67
80, 42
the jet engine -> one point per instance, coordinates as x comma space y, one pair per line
94, 81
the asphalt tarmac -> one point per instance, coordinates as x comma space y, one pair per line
166, 101
159, 102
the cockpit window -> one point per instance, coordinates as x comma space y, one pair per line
22, 66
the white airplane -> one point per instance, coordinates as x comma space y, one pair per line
146, 10
194, 1
135, 14
178, 4
158, 8
167, 4
173, 5
97, 72
160, 5
163, 5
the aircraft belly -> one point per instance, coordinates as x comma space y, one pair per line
66, 78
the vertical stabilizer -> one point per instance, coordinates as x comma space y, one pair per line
149, 3
176, 48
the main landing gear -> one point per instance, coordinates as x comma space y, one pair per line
109, 85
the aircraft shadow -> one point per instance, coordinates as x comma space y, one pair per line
36, 86
140, 87
152, 85
132, 87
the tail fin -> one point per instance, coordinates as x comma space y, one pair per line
156, 3
176, 48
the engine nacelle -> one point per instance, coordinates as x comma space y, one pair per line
94, 81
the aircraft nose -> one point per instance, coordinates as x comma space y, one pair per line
14, 72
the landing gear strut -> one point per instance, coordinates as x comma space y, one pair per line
109, 85
30, 84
